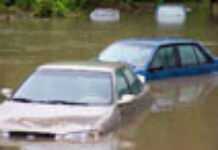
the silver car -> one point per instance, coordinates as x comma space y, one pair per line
69, 101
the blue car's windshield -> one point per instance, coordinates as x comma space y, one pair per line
133, 54
76, 87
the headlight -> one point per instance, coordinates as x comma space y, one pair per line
79, 136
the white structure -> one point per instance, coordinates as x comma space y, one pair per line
105, 15
171, 14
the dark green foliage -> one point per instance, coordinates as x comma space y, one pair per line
26, 4
75, 4
9, 3
44, 8
2, 3
47, 8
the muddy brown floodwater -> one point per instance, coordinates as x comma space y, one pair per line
183, 113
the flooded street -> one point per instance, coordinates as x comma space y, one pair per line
182, 113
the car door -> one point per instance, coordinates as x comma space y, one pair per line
193, 61
121, 86
163, 64
121, 89
205, 61
142, 99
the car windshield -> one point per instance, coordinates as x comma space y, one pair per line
66, 87
133, 54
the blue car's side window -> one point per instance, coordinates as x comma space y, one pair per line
193, 60
191, 55
202, 59
187, 55
164, 58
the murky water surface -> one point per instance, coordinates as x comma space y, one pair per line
183, 113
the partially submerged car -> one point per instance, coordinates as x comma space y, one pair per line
160, 58
69, 101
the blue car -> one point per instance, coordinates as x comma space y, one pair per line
161, 58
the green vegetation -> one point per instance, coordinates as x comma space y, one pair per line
44, 8
48, 8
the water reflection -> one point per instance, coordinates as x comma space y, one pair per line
170, 27
108, 143
172, 93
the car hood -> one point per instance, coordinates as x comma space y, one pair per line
55, 119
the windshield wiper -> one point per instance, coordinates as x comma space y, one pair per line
64, 102
24, 100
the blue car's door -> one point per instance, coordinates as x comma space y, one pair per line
193, 60
164, 63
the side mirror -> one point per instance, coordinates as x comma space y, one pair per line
127, 98
6, 92
141, 78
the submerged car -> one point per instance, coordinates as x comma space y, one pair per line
160, 58
69, 101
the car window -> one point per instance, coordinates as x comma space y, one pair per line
202, 59
121, 84
187, 55
134, 84
67, 86
164, 58
134, 54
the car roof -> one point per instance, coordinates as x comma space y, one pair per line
156, 41
83, 65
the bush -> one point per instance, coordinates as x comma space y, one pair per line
60, 8
2, 5
47, 8
44, 8
77, 4
26, 4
